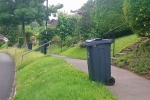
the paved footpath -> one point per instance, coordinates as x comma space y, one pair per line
6, 76
128, 86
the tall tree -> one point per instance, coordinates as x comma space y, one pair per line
67, 25
108, 15
22, 12
86, 23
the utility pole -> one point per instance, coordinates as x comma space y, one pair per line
46, 18
43, 43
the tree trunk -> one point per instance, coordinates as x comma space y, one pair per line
24, 35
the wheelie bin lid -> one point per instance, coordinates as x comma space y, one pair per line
98, 41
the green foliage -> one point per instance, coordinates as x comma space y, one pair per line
50, 33
1, 43
24, 12
146, 46
6, 12
68, 41
108, 15
34, 25
20, 41
11, 32
86, 23
28, 35
87, 26
56, 40
137, 14
88, 5
4, 46
67, 25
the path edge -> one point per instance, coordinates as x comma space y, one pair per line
13, 90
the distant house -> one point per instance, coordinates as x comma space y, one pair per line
3, 39
79, 12
53, 23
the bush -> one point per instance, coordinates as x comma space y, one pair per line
82, 45
48, 36
68, 41
109, 15
56, 39
9, 44
137, 14
28, 35
1, 43
20, 41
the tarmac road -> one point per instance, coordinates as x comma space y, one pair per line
6, 76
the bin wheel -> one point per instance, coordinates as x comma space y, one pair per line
110, 81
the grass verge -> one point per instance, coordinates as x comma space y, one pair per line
49, 78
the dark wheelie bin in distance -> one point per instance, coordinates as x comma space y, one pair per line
43, 47
98, 59
30, 45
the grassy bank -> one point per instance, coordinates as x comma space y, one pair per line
75, 52
138, 60
120, 43
43, 77
124, 42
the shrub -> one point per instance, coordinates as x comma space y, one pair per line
28, 35
137, 14
51, 32
56, 38
68, 41
82, 45
20, 41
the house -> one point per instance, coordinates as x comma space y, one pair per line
79, 12
53, 23
3, 39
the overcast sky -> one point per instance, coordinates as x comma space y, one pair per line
68, 4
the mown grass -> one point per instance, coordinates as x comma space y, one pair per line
120, 43
56, 49
124, 42
17, 55
75, 52
49, 78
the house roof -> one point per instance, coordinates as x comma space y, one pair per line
53, 23
80, 12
